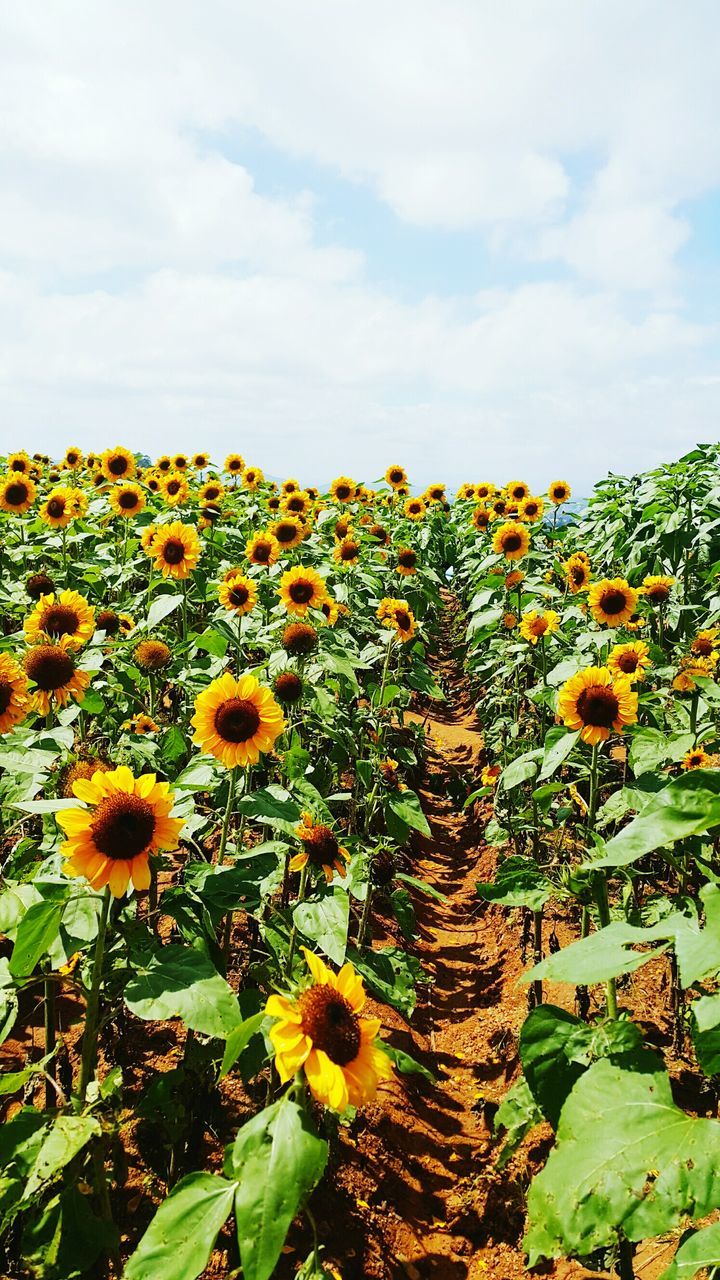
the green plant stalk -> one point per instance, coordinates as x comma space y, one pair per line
89, 1049
294, 930
600, 889
50, 1027
365, 917
227, 816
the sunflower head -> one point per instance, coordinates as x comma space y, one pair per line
480, 518
14, 696
263, 549
531, 509
343, 489
630, 660
252, 478
211, 492
516, 491
17, 493
698, 758
82, 769
234, 464
52, 670
535, 625
577, 572
320, 849
175, 488
152, 655
58, 508
238, 593
127, 500
299, 639
396, 477
378, 533
19, 462
511, 540
347, 553
288, 688
39, 584
397, 614
415, 509
289, 532
596, 702
301, 589
118, 464
176, 549
656, 588
108, 621
612, 601
66, 616
201, 461
236, 720
706, 642
407, 561
558, 492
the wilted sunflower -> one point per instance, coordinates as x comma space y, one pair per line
347, 553
175, 489
301, 589
509, 621
706, 642
630, 660
262, 548
127, 500
211, 491
531, 509
343, 489
577, 572
656, 588
252, 477
14, 696
288, 532
511, 540
236, 720
58, 508
288, 688
415, 509
299, 639
176, 549
514, 579
111, 842
480, 518
321, 1032
559, 492
80, 769
234, 464
406, 562
320, 849
397, 614
66, 616
152, 655
697, 758
396, 477
108, 621
596, 702
39, 584
17, 493
118, 464
52, 670
612, 601
534, 625
238, 594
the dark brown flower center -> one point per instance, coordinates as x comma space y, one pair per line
164, 464
239, 595
613, 601
118, 465
72, 458
173, 551
403, 619
342, 492
39, 584
659, 593
235, 464
173, 487
237, 720
578, 575
59, 620
261, 552
301, 591
329, 1021
286, 532
49, 666
396, 476
321, 846
300, 638
349, 551
6, 693
211, 493
289, 687
108, 621
296, 503
56, 508
19, 465
512, 542
598, 706
628, 662
123, 826
407, 559
702, 645
16, 493
129, 500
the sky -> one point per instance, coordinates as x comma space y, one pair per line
478, 239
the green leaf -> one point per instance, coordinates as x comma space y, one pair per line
518, 883
698, 950
325, 922
239, 1039
404, 912
697, 1252
11, 1081
161, 607
406, 806
687, 806
405, 1063
391, 974
36, 933
650, 749
558, 745
64, 1241
626, 1158
67, 1136
178, 1243
520, 770
181, 982
277, 1159
518, 1114
273, 805
602, 955
422, 885
548, 1039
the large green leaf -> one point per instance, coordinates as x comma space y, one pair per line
687, 806
66, 1137
181, 982
518, 882
391, 974
178, 1243
517, 1114
626, 1158
325, 922
277, 1159
558, 745
406, 806
698, 949
602, 955
699, 1251
161, 607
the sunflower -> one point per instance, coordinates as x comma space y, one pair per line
211, 491
342, 528
289, 486
17, 493
288, 688
498, 507
320, 849
108, 621
301, 589
485, 491
296, 504
234, 464
397, 614
66, 616
58, 508
111, 842
127, 500
289, 532
490, 775
201, 461
236, 720
238, 594
511, 540
514, 579
252, 477
176, 549
147, 538
706, 642
466, 492
347, 553
273, 503
656, 588
141, 725
262, 549
596, 701
517, 490
321, 1031
51, 668
612, 601
509, 621
531, 509
39, 584
152, 655
164, 464
480, 518
175, 489
630, 660
300, 638
331, 611
406, 562
180, 462
415, 509
127, 624
19, 462
697, 758
118, 464
73, 458
14, 697
343, 489
558, 492
534, 625
396, 477
577, 572
435, 493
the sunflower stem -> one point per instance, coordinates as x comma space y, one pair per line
294, 931
365, 917
50, 1024
227, 816
89, 1049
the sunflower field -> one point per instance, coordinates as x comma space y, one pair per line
235, 797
